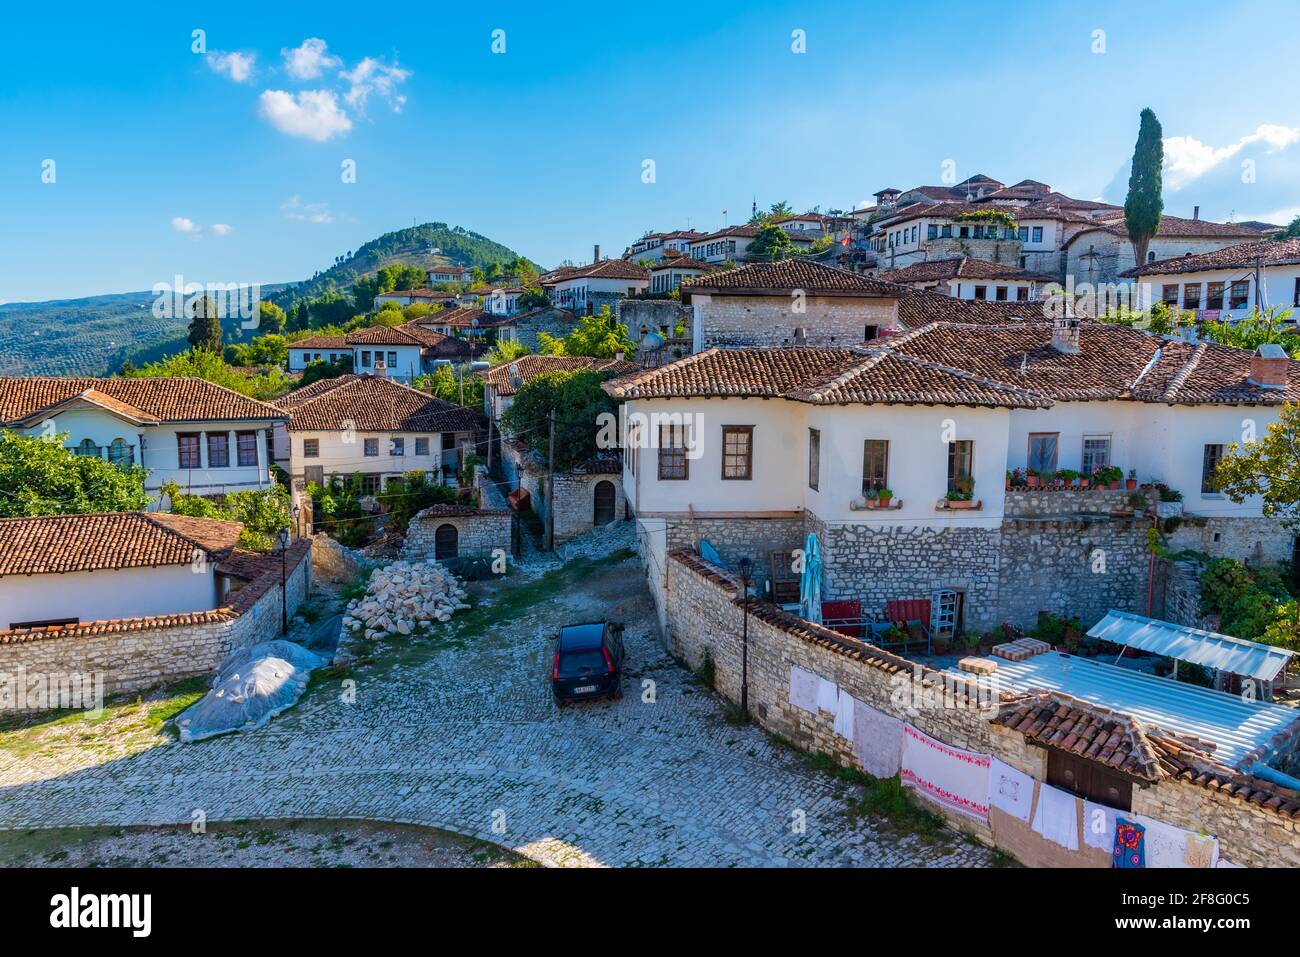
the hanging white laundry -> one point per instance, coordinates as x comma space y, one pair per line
1057, 817
828, 695
1166, 845
1010, 790
1202, 850
952, 777
844, 716
1099, 826
803, 689
877, 741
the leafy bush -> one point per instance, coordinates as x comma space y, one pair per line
403, 497
577, 400
1252, 603
41, 477
263, 511
205, 364
336, 508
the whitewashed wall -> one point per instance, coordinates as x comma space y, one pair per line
113, 593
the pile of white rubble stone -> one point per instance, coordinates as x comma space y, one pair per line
404, 598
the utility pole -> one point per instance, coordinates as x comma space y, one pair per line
550, 488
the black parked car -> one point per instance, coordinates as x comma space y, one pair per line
588, 662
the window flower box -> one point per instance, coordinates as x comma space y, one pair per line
945, 504
875, 505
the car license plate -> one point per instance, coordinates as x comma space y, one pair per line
584, 689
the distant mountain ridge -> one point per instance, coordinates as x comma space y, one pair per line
95, 335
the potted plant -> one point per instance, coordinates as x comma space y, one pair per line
962, 494
884, 496
1008, 485
1067, 477
1138, 502
1171, 502
1031, 478
1084, 480
1114, 475
1131, 484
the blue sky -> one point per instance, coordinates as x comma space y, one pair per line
227, 168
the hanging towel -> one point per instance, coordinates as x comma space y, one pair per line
828, 695
952, 777
844, 716
1202, 851
877, 741
1057, 817
803, 689
1166, 845
1010, 790
1099, 826
1130, 840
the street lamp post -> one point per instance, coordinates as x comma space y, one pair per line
746, 570
282, 546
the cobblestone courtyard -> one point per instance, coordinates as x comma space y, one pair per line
462, 734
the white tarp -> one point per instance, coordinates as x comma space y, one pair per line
252, 686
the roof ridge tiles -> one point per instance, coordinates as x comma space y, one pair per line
1179, 380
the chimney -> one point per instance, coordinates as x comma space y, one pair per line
1269, 367
595, 256
1065, 335
381, 368
1196, 212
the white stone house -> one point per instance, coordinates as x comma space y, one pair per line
653, 247
317, 349
582, 290
206, 438
731, 244
449, 273
973, 279
1102, 253
372, 426
667, 274
1229, 283
751, 449
412, 297
63, 570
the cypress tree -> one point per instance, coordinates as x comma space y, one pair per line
205, 327
1145, 202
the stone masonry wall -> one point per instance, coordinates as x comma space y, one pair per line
654, 315
734, 538
732, 321
478, 535
703, 615
1250, 540
575, 502
1064, 501
138, 653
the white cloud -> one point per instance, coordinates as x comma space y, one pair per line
222, 229
183, 224
374, 76
237, 66
1187, 159
317, 213
312, 114
308, 60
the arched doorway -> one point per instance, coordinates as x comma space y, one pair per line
605, 503
446, 541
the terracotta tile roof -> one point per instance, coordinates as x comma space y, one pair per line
320, 342
605, 269
367, 403
525, 368
383, 336
945, 210
949, 363
788, 274
681, 262
418, 293
163, 400
1175, 227
56, 544
462, 317
923, 306
960, 267
1241, 256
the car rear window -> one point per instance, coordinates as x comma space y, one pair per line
578, 662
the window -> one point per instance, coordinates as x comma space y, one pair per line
1089, 780
738, 452
246, 448
961, 457
1022, 294
187, 444
397, 446
981, 292
875, 465
1024, 234
814, 458
370, 447
392, 360
946, 231
218, 450
422, 446
1169, 294
673, 464
1038, 234
1096, 453
1209, 463
1151, 257
1192, 295
1240, 294
119, 453
1042, 451
978, 231
1214, 295
87, 447
311, 448
932, 231
370, 481
963, 232
1002, 294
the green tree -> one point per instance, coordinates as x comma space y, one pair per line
505, 350
776, 211
271, 318
39, 476
577, 400
771, 243
1145, 202
1256, 330
599, 335
1268, 467
533, 297
301, 319
267, 350
205, 326
263, 511
458, 385
1292, 230
202, 364
401, 498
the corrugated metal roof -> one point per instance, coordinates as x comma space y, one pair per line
1236, 727
1207, 648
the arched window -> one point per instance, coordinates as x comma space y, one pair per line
88, 447
119, 453
446, 541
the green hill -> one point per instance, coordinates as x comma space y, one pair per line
95, 335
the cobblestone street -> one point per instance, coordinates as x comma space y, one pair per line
463, 735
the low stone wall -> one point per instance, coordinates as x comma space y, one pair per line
132, 654
1064, 501
704, 615
1251, 540
479, 531
734, 538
